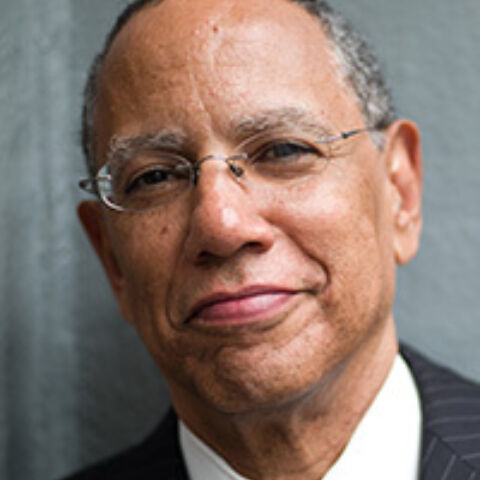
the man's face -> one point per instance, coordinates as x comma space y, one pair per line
245, 299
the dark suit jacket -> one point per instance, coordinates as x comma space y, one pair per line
450, 443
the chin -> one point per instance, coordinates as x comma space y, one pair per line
238, 385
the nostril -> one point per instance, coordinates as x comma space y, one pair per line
205, 258
210, 258
255, 246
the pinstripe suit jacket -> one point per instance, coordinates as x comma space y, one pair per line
450, 443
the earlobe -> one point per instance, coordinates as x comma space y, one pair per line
404, 160
93, 221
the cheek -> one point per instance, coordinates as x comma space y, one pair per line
147, 251
330, 216
343, 224
148, 255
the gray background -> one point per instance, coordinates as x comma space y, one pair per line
75, 383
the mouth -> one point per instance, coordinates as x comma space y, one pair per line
244, 307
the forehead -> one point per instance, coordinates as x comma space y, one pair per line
208, 64
169, 25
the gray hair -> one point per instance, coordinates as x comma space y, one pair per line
358, 65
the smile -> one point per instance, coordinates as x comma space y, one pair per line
248, 306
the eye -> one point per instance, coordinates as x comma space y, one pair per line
287, 159
285, 151
151, 177
156, 178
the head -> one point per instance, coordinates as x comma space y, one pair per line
249, 297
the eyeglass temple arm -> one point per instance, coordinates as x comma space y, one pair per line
88, 185
351, 133
345, 135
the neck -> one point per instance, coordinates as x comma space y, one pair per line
301, 439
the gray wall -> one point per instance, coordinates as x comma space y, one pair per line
75, 383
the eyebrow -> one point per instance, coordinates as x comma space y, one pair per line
127, 147
290, 119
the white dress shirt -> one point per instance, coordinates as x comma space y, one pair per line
385, 444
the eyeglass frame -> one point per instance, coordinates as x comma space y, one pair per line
90, 184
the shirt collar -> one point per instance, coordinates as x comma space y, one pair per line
385, 444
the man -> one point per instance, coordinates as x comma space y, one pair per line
256, 193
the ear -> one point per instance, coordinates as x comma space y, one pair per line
404, 163
94, 222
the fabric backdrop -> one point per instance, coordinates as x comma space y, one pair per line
75, 383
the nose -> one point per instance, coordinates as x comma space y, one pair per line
225, 219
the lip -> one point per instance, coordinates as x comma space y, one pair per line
249, 305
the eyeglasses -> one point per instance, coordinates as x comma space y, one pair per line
152, 179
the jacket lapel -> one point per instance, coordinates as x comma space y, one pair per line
451, 421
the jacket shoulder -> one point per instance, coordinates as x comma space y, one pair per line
158, 456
